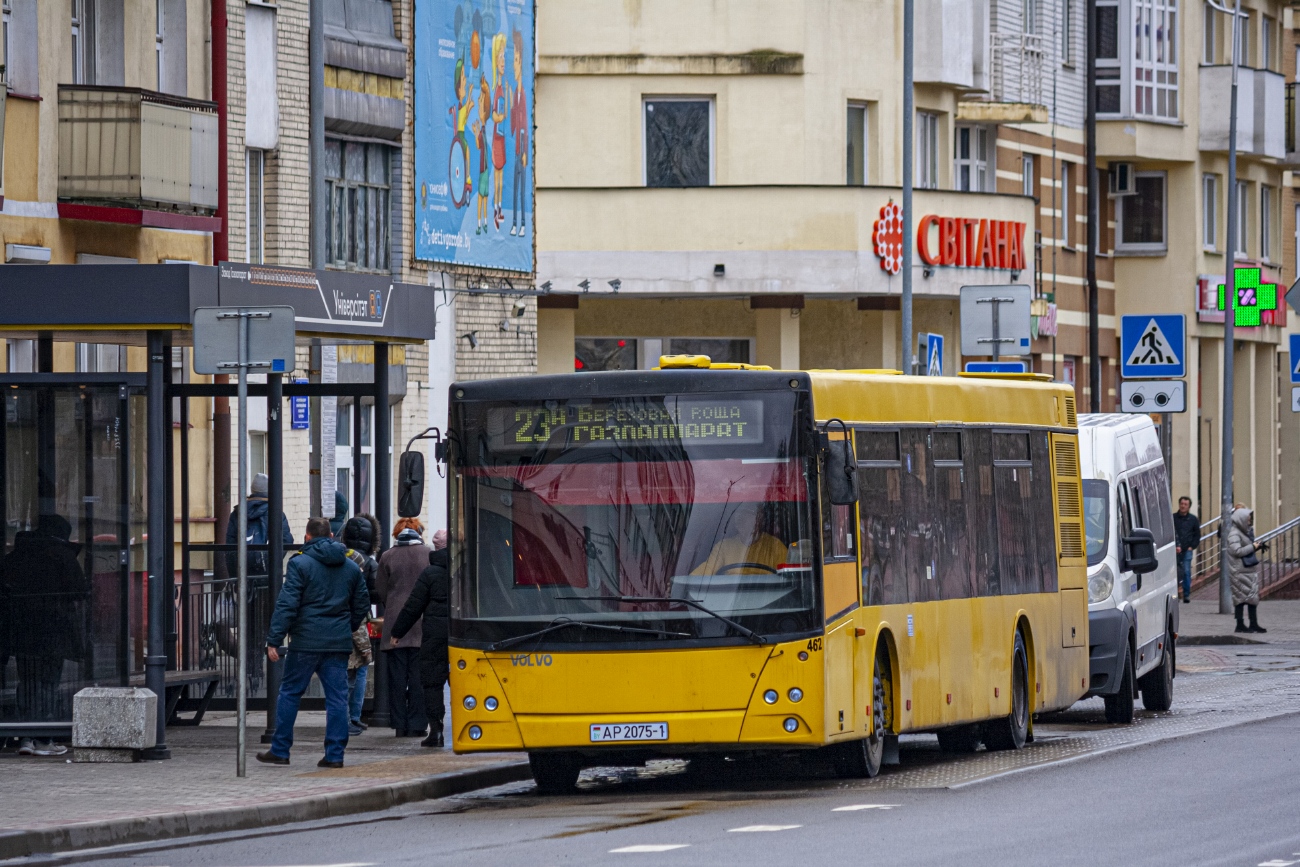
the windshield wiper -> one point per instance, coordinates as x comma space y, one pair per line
743, 630
559, 624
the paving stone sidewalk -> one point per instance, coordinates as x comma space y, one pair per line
1200, 620
48, 804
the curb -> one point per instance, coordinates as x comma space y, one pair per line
1212, 640
143, 829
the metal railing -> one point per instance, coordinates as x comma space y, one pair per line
1016, 67
1279, 564
208, 631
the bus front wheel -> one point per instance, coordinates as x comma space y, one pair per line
861, 759
1011, 732
555, 773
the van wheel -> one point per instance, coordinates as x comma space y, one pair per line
555, 773
861, 759
1119, 707
959, 739
1011, 732
1157, 685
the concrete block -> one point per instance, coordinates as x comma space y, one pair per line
119, 718
99, 755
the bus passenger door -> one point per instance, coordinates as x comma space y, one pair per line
840, 588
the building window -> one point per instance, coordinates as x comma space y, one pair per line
357, 211
972, 165
678, 142
1028, 176
1267, 44
83, 42
158, 43
1067, 32
1209, 212
855, 145
1243, 40
1067, 216
1209, 34
1266, 223
1243, 219
1030, 16
6, 45
255, 211
1142, 79
1142, 215
927, 151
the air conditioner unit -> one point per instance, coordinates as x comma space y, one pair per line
1122, 182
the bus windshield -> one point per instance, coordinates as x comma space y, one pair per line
702, 498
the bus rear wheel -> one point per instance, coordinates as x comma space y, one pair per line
1011, 732
555, 773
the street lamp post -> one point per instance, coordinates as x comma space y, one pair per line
909, 360
1230, 286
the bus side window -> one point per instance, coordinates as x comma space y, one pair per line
954, 527
1044, 529
983, 508
880, 505
917, 526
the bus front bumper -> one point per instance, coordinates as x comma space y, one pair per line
1108, 632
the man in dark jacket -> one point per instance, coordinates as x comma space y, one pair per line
322, 603
429, 600
1187, 538
258, 528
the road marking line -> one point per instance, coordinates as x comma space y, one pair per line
852, 807
751, 828
651, 847
1277, 862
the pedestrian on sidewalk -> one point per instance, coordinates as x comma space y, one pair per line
429, 602
359, 535
399, 569
322, 603
1187, 538
1243, 567
258, 571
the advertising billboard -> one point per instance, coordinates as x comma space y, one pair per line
474, 66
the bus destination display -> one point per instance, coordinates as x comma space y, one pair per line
667, 422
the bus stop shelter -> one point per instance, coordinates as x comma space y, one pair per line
90, 589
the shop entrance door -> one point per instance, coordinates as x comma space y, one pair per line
72, 574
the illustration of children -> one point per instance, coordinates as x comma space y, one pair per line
498, 122
460, 114
484, 166
519, 129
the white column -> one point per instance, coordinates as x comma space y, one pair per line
555, 333
777, 331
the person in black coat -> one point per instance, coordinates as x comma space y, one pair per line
429, 599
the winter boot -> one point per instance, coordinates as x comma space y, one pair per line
1241, 624
1254, 619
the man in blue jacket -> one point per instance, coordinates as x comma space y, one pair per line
322, 603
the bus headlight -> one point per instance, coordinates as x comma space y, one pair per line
1100, 584
770, 696
791, 724
795, 694
490, 703
475, 733
469, 702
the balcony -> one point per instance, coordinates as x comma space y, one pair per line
1014, 79
137, 148
948, 42
1292, 157
1261, 117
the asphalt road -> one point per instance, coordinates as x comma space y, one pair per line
1226, 797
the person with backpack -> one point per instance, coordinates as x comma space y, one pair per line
322, 603
359, 535
429, 603
258, 567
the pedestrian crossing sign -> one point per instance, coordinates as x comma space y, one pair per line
1295, 358
1153, 346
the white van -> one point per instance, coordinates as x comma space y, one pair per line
1132, 575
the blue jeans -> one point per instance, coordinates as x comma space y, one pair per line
332, 669
356, 691
1185, 572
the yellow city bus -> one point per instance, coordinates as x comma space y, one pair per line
711, 559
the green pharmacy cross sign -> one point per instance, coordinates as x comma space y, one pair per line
1252, 297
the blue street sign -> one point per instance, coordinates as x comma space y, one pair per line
1153, 347
934, 355
1295, 358
996, 367
300, 412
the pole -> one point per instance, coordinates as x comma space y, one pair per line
1094, 222
241, 764
997, 332
908, 169
274, 529
382, 500
1229, 347
220, 95
316, 129
158, 556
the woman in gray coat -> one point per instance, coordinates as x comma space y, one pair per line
1243, 567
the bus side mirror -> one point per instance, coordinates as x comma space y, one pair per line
410, 484
1139, 552
841, 486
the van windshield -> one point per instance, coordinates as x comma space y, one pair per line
1096, 517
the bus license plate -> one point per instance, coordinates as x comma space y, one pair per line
629, 732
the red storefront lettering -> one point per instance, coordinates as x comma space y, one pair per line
923, 239
971, 242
